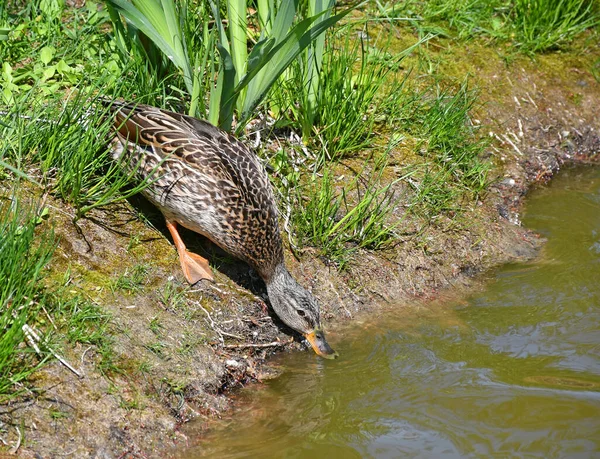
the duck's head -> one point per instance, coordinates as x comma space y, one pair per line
298, 309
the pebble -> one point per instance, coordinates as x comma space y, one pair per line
232, 363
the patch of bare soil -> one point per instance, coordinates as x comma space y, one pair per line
177, 355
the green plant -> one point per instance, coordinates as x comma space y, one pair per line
545, 24
172, 296
83, 321
357, 81
23, 256
75, 160
53, 53
155, 325
451, 140
312, 61
243, 79
532, 26
131, 280
448, 144
340, 218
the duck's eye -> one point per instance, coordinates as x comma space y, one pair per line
300, 312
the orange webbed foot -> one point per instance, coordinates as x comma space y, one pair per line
195, 268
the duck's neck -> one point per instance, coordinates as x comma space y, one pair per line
276, 275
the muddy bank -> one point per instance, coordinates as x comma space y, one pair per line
176, 352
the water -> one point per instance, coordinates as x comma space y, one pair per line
512, 372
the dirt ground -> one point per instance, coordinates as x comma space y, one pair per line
213, 338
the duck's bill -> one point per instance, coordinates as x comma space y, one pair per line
317, 340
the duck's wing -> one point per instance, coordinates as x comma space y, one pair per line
199, 145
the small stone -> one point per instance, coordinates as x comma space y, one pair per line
230, 363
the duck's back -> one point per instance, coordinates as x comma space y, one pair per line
203, 178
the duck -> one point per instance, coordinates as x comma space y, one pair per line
208, 181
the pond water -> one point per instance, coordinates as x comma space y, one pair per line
514, 371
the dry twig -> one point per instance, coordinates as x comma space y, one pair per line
258, 345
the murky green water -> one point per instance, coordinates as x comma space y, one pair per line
513, 372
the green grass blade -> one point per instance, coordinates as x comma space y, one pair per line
227, 95
284, 19
18, 172
279, 58
160, 23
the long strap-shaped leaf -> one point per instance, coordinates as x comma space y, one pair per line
221, 108
158, 19
279, 57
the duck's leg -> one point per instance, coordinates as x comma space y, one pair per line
194, 267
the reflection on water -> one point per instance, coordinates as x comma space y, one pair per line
514, 372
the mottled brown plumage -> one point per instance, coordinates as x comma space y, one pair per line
208, 181
205, 180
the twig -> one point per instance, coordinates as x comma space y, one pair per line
15, 448
33, 338
259, 345
214, 326
505, 137
49, 317
532, 101
83, 356
231, 335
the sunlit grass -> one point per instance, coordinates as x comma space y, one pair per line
541, 25
448, 143
359, 80
530, 26
67, 143
24, 251
339, 215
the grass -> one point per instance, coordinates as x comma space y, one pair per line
73, 160
22, 261
449, 144
529, 26
340, 213
357, 82
132, 280
172, 296
341, 218
541, 25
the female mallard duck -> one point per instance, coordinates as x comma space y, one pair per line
209, 182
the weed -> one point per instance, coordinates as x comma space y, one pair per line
532, 26
57, 414
190, 342
79, 320
172, 296
157, 348
131, 281
339, 219
155, 326
134, 241
23, 256
74, 160
144, 367
353, 90
449, 145
546, 24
